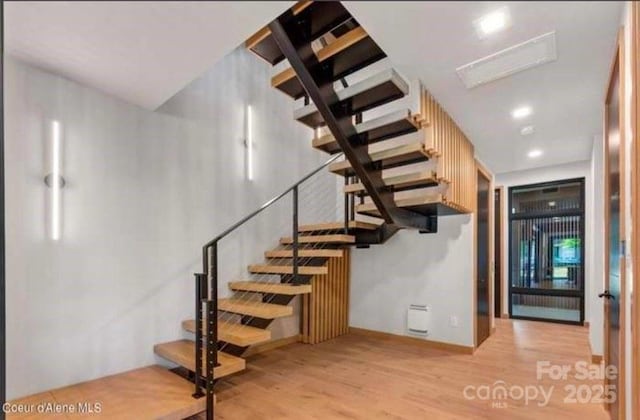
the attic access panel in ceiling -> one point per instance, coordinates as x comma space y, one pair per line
532, 53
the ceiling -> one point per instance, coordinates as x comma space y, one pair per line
140, 51
145, 52
429, 40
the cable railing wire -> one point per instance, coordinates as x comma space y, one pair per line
208, 280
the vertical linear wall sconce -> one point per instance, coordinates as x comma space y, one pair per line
54, 180
249, 143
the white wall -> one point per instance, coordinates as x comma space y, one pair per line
145, 191
432, 269
593, 272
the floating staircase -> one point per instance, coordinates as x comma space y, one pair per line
399, 171
387, 126
402, 169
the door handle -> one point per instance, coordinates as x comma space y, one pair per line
607, 295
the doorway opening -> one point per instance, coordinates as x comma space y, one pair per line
546, 251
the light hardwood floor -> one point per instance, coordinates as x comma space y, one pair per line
360, 377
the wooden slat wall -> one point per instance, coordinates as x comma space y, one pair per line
455, 153
325, 311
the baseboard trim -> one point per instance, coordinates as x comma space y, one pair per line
504, 316
439, 345
272, 345
596, 359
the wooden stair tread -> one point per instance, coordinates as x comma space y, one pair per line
405, 154
353, 224
391, 125
402, 182
234, 333
350, 52
323, 17
182, 352
304, 253
425, 204
254, 308
287, 269
329, 239
376, 90
266, 287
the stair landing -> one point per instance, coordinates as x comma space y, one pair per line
152, 392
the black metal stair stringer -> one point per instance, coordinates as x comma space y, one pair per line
285, 30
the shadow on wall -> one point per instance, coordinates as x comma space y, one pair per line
431, 269
412, 258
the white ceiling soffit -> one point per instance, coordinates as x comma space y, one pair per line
430, 40
140, 51
534, 52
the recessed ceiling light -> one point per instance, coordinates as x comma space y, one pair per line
535, 153
521, 112
526, 131
492, 22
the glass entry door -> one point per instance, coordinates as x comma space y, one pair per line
546, 251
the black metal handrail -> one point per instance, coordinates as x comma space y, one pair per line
209, 300
272, 201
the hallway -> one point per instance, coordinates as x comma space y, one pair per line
363, 377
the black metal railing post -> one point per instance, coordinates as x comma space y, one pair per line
201, 292
212, 353
352, 200
296, 243
210, 301
346, 207
212, 313
209, 298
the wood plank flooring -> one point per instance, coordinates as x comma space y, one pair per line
359, 377
147, 393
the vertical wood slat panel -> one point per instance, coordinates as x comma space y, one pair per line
454, 152
311, 318
330, 280
336, 296
347, 290
322, 314
305, 318
325, 312
340, 306
320, 302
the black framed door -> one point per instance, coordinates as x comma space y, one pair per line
546, 251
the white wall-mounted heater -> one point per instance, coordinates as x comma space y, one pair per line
418, 319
